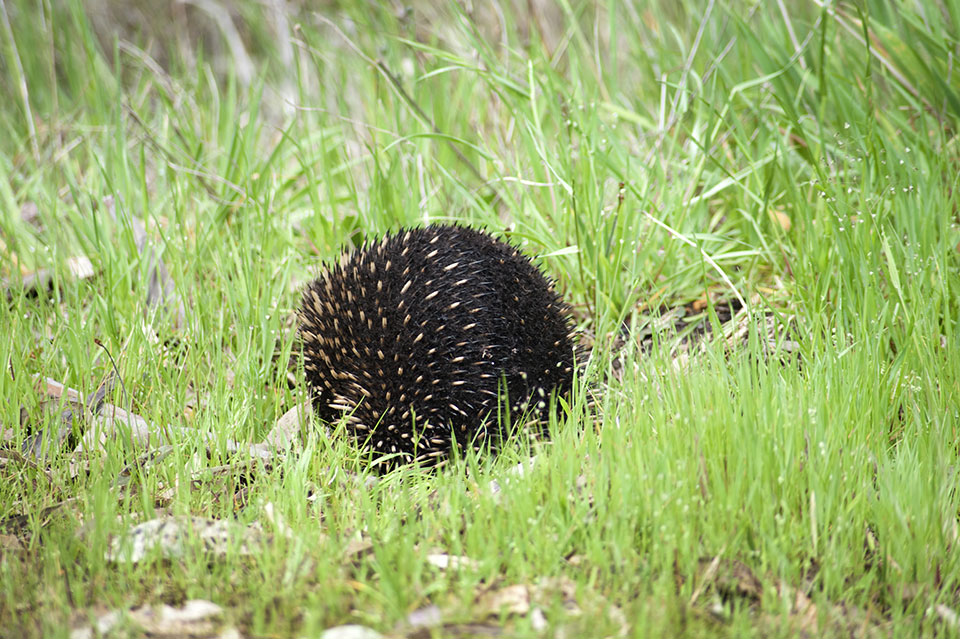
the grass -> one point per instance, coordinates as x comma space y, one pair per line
800, 478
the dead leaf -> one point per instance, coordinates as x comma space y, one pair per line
517, 471
277, 520
60, 415
576, 560
350, 631
357, 548
426, 617
29, 212
735, 579
780, 218
78, 267
168, 537
532, 600
113, 423
948, 616
803, 612
104, 624
55, 389
196, 619
538, 621
287, 430
10, 542
110, 422
511, 600
452, 562
459, 631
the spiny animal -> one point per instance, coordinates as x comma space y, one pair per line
420, 338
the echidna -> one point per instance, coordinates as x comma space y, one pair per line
421, 337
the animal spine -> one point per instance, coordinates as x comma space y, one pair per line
414, 338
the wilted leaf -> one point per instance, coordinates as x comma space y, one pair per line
516, 471
730, 577
196, 619
29, 212
538, 621
10, 542
948, 616
272, 515
169, 537
351, 631
803, 612
286, 431
426, 617
53, 388
115, 423
781, 219
452, 562
533, 599
511, 600
358, 547
79, 267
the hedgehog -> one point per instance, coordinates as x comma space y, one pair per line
434, 338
